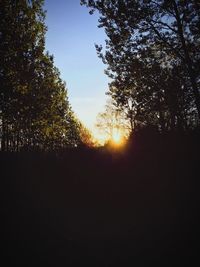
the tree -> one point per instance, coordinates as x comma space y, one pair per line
112, 122
34, 108
86, 138
148, 43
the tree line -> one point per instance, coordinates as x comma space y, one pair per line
34, 108
152, 53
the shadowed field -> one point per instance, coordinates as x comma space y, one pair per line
94, 207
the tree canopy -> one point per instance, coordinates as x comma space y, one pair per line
34, 107
153, 54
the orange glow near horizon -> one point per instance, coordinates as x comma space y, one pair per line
116, 137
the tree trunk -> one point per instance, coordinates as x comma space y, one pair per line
3, 138
7, 138
188, 61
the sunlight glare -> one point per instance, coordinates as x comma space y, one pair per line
117, 138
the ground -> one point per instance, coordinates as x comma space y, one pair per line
97, 207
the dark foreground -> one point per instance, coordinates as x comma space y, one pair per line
96, 208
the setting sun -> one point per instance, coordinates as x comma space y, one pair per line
116, 137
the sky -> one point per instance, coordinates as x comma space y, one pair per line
71, 37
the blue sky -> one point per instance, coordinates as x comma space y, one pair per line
71, 36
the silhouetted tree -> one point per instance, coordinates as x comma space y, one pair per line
152, 53
112, 121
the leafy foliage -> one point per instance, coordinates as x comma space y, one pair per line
34, 108
152, 53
